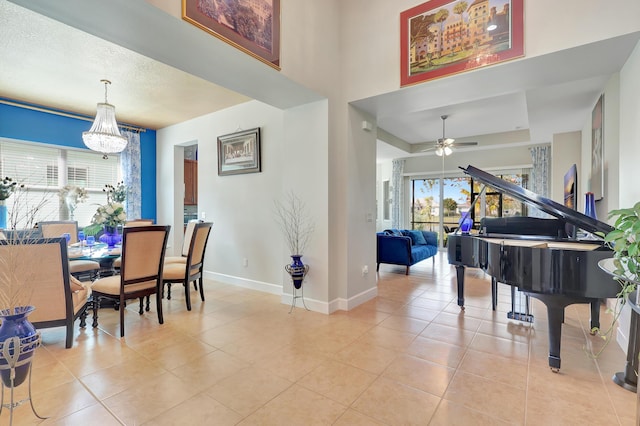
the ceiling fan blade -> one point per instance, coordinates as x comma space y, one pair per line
464, 144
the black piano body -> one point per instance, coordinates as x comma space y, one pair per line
538, 256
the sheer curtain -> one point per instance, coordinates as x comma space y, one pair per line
130, 168
397, 193
541, 159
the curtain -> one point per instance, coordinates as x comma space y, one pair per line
541, 159
130, 168
397, 193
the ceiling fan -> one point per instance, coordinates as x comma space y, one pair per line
444, 145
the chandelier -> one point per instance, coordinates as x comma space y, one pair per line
104, 135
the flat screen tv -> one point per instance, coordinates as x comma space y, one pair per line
571, 195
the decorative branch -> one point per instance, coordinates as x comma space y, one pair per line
295, 222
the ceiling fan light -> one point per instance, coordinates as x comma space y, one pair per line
447, 151
439, 151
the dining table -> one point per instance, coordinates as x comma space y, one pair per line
98, 252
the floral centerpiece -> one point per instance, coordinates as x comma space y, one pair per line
72, 195
111, 214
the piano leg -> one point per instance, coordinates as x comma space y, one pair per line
460, 277
595, 315
555, 317
494, 293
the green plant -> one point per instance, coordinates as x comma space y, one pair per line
624, 240
7, 187
117, 193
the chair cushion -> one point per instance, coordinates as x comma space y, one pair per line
174, 271
175, 259
111, 285
80, 293
117, 263
83, 266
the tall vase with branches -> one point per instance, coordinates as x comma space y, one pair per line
18, 337
297, 226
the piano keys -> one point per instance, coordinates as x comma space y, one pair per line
538, 257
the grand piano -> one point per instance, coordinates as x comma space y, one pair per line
541, 257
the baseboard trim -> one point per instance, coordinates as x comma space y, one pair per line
338, 304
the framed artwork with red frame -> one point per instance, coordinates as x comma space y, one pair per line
443, 37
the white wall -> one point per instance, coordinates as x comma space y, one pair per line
550, 26
611, 152
383, 173
627, 156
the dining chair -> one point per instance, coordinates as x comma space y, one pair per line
38, 269
133, 222
191, 270
56, 228
141, 268
186, 242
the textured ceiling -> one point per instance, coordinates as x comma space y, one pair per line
47, 62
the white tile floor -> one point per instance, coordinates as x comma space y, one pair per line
408, 357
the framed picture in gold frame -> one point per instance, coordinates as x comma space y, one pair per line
444, 37
253, 27
597, 151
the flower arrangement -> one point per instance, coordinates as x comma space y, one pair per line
117, 193
72, 195
110, 214
7, 187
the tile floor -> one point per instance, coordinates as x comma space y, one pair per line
408, 357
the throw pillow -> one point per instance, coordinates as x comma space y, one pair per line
417, 238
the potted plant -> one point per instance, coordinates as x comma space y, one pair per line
625, 268
297, 227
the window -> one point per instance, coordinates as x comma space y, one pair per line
432, 204
37, 167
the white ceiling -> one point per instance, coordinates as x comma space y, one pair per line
51, 63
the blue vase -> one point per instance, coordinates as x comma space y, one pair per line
110, 236
17, 325
590, 205
465, 223
297, 270
3, 214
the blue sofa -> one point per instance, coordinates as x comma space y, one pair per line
405, 247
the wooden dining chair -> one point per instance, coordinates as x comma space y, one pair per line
38, 270
186, 243
56, 228
192, 269
134, 222
141, 268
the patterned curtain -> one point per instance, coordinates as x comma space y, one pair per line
397, 193
541, 159
130, 168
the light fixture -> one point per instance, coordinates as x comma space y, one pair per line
104, 135
443, 150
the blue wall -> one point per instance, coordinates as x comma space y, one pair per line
35, 126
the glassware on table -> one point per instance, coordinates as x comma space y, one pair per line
91, 241
81, 237
67, 236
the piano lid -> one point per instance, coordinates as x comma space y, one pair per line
558, 210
